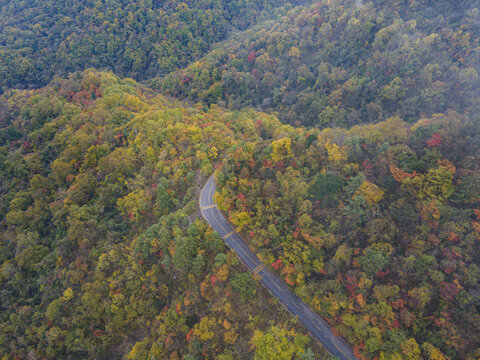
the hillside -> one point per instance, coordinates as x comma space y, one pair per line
344, 139
333, 64
140, 39
102, 250
377, 228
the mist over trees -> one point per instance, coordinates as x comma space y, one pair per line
344, 139
329, 64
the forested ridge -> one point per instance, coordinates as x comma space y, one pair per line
140, 39
377, 228
331, 64
102, 251
344, 139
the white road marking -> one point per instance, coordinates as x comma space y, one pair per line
217, 224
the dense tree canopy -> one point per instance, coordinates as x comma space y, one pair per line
102, 253
141, 39
333, 64
376, 227
344, 138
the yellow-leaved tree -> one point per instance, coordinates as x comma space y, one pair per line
281, 149
371, 193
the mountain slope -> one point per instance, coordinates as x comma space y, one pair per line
103, 253
334, 64
140, 39
376, 227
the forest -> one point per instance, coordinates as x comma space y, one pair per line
140, 39
376, 227
344, 139
328, 65
102, 251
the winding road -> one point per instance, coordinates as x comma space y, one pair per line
317, 327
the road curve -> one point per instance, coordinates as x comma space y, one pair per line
317, 327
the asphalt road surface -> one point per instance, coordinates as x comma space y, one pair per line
317, 327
